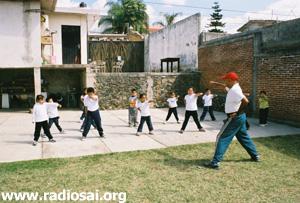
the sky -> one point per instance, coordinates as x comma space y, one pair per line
235, 13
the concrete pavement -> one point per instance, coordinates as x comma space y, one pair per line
16, 134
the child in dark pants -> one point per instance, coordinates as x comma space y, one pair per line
40, 118
91, 102
208, 105
191, 109
144, 107
52, 109
172, 102
263, 108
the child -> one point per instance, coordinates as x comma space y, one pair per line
53, 114
132, 110
91, 102
191, 109
83, 115
144, 107
40, 118
208, 107
172, 102
263, 108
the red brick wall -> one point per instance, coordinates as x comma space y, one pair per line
279, 76
215, 61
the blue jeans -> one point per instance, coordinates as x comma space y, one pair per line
237, 127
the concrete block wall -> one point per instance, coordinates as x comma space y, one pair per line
179, 40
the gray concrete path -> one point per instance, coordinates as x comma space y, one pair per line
16, 134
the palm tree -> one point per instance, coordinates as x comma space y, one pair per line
169, 19
124, 15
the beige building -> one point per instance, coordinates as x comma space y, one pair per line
39, 44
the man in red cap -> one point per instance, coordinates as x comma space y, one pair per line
235, 125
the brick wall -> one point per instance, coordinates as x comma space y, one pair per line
278, 71
216, 60
279, 76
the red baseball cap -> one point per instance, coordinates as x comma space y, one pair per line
231, 76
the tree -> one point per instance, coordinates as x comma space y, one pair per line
169, 19
124, 15
216, 17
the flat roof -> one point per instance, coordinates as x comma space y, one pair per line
77, 10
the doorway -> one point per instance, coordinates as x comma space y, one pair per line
71, 50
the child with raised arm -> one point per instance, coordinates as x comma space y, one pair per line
191, 109
52, 110
208, 105
40, 118
263, 108
132, 110
172, 103
143, 106
91, 102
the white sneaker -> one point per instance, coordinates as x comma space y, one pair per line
262, 125
83, 138
165, 122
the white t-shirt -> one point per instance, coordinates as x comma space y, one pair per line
191, 102
234, 99
144, 107
172, 102
91, 104
52, 110
208, 99
39, 112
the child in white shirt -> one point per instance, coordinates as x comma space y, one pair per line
40, 118
208, 105
144, 107
52, 109
191, 108
91, 102
172, 103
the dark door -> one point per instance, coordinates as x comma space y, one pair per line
71, 52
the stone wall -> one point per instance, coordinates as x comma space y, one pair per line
179, 40
114, 88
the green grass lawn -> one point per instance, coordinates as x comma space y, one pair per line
170, 175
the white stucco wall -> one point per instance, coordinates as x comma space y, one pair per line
56, 20
178, 40
20, 44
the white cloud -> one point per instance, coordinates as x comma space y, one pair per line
100, 5
67, 3
180, 2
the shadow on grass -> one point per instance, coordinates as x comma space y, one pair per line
181, 164
287, 145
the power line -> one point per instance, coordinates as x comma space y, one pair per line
207, 8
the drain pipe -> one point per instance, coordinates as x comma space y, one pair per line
257, 42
